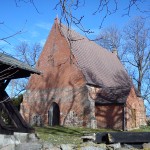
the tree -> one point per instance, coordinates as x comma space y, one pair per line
104, 7
133, 46
17, 101
27, 54
111, 39
137, 45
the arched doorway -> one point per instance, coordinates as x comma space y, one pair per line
54, 115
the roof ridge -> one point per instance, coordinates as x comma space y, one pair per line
69, 39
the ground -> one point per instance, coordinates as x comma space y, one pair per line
71, 135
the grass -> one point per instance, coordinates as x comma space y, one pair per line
64, 135
142, 129
71, 135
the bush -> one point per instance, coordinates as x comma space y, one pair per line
17, 101
148, 122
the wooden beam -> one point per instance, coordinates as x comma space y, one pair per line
18, 124
4, 84
123, 137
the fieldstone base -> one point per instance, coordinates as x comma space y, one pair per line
29, 141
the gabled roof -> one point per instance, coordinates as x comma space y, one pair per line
99, 66
23, 70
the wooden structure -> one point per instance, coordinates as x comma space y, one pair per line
135, 139
10, 119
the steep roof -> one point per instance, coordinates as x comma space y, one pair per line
24, 70
99, 66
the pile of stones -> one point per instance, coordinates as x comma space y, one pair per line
26, 141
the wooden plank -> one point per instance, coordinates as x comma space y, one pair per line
18, 123
123, 137
3, 107
129, 137
22, 126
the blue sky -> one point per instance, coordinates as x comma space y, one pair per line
35, 26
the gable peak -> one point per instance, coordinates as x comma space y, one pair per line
57, 20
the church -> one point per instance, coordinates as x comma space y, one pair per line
81, 84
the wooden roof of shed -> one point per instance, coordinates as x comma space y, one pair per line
14, 67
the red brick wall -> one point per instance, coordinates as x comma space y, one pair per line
135, 111
61, 81
56, 64
109, 117
75, 103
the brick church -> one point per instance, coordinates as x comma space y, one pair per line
81, 84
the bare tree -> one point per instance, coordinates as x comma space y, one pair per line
133, 47
18, 2
104, 7
27, 54
110, 38
137, 45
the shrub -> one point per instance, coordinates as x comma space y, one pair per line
148, 122
17, 101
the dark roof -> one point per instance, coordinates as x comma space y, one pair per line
11, 62
116, 95
99, 66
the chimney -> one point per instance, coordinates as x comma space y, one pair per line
114, 51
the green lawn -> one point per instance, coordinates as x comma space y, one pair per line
71, 135
64, 135
143, 129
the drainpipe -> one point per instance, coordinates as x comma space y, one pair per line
124, 117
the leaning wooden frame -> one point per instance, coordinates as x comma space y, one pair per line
10, 119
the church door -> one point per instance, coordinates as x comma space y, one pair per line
54, 115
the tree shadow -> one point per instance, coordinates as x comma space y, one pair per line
111, 101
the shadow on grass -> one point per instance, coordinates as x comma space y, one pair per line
58, 130
71, 131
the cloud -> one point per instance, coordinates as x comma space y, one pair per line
34, 34
44, 25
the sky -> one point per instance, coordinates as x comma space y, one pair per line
35, 26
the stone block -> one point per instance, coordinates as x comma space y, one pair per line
113, 146
26, 137
8, 147
67, 146
23, 137
47, 146
32, 137
8, 140
87, 138
146, 146
91, 148
29, 146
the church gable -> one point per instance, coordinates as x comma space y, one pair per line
57, 64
